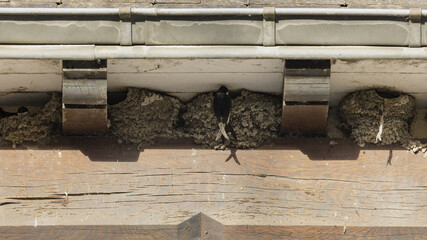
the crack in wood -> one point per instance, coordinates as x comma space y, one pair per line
66, 195
90, 193
297, 178
34, 198
115, 173
8, 203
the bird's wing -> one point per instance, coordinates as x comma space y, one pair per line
217, 107
227, 109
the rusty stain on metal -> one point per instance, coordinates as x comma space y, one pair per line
304, 119
84, 121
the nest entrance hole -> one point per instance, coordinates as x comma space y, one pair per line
386, 93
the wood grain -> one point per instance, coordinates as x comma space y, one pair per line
379, 66
248, 232
197, 82
185, 78
330, 232
347, 82
407, 76
30, 82
29, 66
89, 232
195, 65
94, 181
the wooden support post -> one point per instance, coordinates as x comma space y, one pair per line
306, 96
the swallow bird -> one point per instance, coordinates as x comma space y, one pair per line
222, 109
22, 111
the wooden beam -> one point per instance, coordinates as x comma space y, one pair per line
150, 232
169, 232
86, 181
323, 232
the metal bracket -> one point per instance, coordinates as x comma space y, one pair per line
306, 95
415, 36
84, 97
125, 15
269, 26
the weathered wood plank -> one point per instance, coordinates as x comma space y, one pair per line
166, 232
346, 76
329, 232
197, 82
10, 66
195, 65
288, 182
151, 232
379, 66
30, 82
24, 99
178, 1
348, 82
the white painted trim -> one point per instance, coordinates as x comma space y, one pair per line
87, 52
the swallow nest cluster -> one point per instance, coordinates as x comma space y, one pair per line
143, 117
380, 116
33, 127
254, 117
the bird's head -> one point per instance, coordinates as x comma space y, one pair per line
222, 90
22, 110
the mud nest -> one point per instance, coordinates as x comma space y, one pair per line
254, 117
33, 127
363, 112
143, 117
